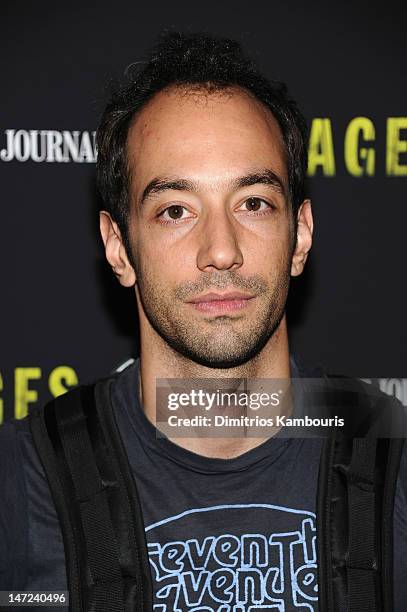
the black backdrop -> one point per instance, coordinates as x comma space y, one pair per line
64, 317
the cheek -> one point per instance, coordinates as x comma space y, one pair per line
269, 250
168, 257
273, 263
160, 269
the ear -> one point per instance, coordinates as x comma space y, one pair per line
305, 227
115, 251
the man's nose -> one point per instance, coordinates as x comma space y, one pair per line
219, 245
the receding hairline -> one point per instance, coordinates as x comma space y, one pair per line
204, 90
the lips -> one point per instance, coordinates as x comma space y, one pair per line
218, 303
221, 297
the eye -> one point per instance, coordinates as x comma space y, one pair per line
256, 205
174, 213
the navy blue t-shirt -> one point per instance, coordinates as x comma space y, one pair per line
225, 535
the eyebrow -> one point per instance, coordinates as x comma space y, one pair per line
262, 177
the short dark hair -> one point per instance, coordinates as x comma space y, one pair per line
196, 60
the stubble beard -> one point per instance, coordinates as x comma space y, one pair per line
221, 341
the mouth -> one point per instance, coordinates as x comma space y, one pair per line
215, 303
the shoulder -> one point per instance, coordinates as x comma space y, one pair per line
373, 410
364, 407
82, 393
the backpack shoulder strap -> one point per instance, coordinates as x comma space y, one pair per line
389, 491
356, 488
96, 499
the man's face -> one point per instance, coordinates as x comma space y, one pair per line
209, 219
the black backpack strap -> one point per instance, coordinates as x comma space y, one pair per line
96, 500
389, 492
362, 563
51, 457
356, 489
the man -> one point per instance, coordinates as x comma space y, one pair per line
201, 167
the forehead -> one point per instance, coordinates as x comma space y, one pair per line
204, 135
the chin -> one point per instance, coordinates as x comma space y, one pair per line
225, 359
219, 362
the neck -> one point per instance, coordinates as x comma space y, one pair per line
159, 360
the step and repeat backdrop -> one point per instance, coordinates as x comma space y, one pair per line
64, 318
